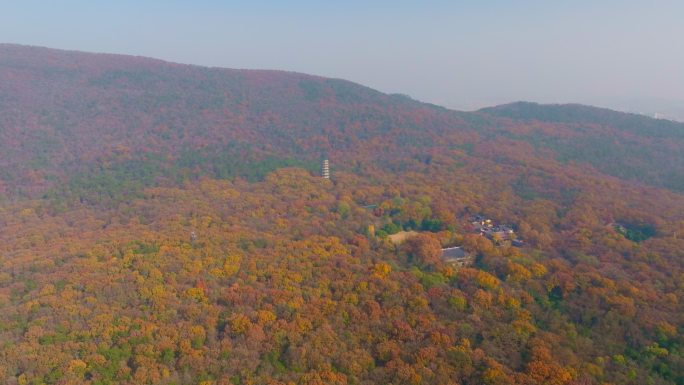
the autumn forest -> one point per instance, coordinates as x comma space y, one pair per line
168, 224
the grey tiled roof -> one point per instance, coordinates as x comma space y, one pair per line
454, 252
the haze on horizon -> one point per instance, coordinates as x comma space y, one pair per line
625, 55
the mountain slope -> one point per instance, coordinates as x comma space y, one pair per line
60, 110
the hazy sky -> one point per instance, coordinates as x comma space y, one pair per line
460, 54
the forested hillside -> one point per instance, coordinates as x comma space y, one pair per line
167, 224
65, 113
628, 146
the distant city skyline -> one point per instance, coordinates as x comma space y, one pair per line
625, 55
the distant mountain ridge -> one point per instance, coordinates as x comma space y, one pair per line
583, 114
629, 146
63, 114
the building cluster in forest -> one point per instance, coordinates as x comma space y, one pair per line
500, 234
496, 232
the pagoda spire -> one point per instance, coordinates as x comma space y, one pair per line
325, 170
